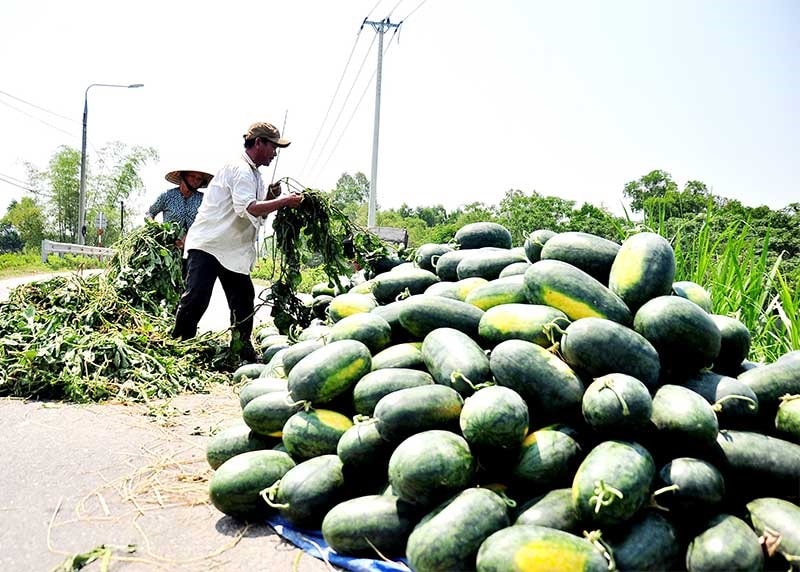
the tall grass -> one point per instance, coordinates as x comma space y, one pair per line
30, 261
743, 282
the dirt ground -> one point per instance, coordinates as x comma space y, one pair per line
129, 482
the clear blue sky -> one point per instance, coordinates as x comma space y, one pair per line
570, 98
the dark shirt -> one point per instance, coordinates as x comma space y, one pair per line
176, 208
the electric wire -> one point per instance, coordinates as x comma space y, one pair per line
373, 9
37, 118
412, 11
352, 115
344, 104
38, 107
7, 176
333, 98
12, 183
389, 15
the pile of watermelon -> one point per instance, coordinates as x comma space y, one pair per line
565, 405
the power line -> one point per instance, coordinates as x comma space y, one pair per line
38, 107
37, 118
344, 103
13, 177
373, 9
335, 93
12, 183
389, 15
360, 99
412, 11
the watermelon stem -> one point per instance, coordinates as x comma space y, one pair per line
402, 296
653, 497
364, 419
457, 375
510, 503
604, 495
378, 552
595, 538
304, 403
294, 332
609, 384
752, 405
551, 326
269, 495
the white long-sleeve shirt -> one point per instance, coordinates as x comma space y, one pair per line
223, 227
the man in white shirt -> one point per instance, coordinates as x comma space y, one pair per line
221, 242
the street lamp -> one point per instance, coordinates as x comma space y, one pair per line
82, 192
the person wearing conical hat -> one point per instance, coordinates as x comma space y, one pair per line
180, 204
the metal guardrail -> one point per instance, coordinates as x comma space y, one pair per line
62, 248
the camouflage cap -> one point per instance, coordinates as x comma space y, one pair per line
267, 131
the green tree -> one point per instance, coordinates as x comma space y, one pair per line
27, 218
351, 195
10, 240
596, 220
116, 179
521, 213
59, 184
432, 215
654, 184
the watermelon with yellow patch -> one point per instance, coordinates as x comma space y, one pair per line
351, 303
693, 292
329, 371
534, 323
573, 291
313, 433
508, 290
643, 269
526, 547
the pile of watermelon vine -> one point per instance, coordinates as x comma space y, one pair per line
315, 229
88, 337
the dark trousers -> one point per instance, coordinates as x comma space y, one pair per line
203, 271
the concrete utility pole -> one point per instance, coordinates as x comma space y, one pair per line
82, 191
380, 27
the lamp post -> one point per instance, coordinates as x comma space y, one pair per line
82, 191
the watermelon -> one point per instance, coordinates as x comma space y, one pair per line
483, 234
448, 538
361, 525
430, 466
235, 486
494, 418
573, 291
534, 243
612, 483
591, 253
308, 434
643, 269
726, 543
530, 547
329, 371
534, 323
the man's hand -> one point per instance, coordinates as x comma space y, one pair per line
274, 191
292, 200
179, 243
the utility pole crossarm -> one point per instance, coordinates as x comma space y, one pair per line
380, 28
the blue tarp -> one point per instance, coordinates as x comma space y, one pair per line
311, 541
